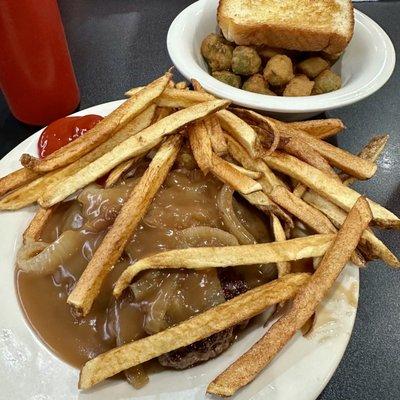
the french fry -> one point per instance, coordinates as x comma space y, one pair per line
312, 217
30, 193
251, 174
347, 162
250, 364
119, 170
183, 85
373, 149
353, 165
218, 141
160, 113
38, 223
328, 187
279, 235
16, 179
176, 98
225, 172
370, 152
374, 247
299, 190
197, 86
237, 151
214, 257
320, 128
132, 212
306, 329
131, 147
264, 203
358, 259
272, 140
213, 127
200, 143
27, 194
306, 153
241, 132
201, 326
105, 129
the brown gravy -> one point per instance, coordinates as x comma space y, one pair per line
157, 299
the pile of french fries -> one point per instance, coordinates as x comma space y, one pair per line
245, 150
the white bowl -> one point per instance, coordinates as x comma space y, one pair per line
365, 66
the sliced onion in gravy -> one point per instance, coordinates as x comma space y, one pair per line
73, 218
101, 206
156, 309
231, 221
51, 256
199, 236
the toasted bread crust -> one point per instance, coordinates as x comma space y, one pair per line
279, 35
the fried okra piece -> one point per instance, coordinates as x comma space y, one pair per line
245, 61
327, 81
300, 85
331, 58
217, 52
228, 77
313, 66
256, 83
266, 52
279, 70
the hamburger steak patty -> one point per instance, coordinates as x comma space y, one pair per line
232, 285
198, 352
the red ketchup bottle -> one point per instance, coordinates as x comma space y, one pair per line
36, 73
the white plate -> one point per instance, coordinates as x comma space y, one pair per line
28, 370
366, 65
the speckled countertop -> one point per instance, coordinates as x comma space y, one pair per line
118, 44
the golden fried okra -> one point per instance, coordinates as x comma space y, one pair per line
266, 52
209, 43
228, 77
300, 85
279, 70
256, 83
327, 81
217, 52
331, 58
313, 66
245, 61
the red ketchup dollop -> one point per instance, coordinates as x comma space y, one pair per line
63, 131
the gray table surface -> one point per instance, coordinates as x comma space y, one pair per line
118, 44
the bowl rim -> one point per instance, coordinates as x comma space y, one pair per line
190, 68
